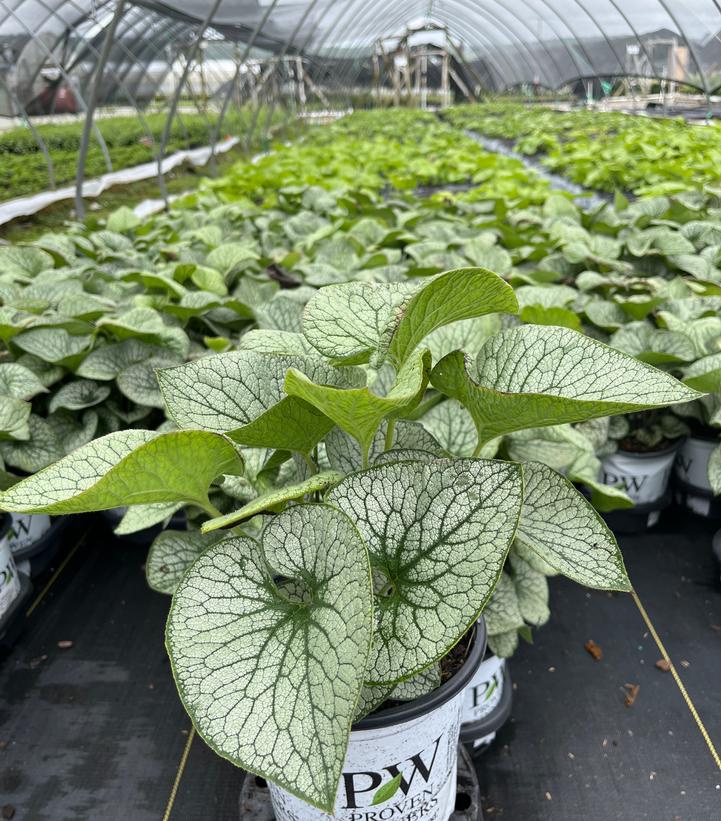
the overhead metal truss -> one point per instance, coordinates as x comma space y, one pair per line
264, 54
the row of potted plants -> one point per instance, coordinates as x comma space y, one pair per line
334, 451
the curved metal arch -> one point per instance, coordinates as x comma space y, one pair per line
241, 60
68, 79
36, 134
92, 102
690, 45
538, 40
560, 39
491, 55
623, 76
355, 65
602, 32
176, 97
289, 44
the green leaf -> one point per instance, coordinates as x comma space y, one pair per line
503, 613
449, 297
123, 219
561, 527
19, 382
107, 361
171, 554
358, 411
275, 499
531, 591
345, 322
242, 393
704, 374
14, 417
534, 376
227, 258
438, 535
23, 262
54, 345
128, 467
40, 449
419, 685
80, 394
141, 517
388, 790
714, 470
271, 672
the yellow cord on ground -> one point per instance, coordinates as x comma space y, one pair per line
56, 574
679, 683
179, 774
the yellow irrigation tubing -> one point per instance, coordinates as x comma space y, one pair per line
179, 774
679, 683
56, 574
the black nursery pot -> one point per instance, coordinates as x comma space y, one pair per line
418, 739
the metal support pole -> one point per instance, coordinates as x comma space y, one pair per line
91, 105
176, 97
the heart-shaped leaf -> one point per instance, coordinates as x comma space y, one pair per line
535, 376
269, 645
125, 468
450, 297
560, 526
242, 393
19, 382
438, 535
171, 554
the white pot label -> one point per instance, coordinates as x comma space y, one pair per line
424, 751
26, 529
644, 479
691, 465
485, 741
484, 693
9, 579
698, 504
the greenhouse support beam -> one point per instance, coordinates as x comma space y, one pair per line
231, 86
36, 134
176, 97
92, 104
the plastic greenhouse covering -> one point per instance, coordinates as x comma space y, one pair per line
81, 58
548, 42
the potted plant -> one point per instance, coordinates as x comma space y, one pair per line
326, 641
697, 467
638, 456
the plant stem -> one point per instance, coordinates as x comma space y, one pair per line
210, 509
390, 430
312, 467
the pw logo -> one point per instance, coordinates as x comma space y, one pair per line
364, 784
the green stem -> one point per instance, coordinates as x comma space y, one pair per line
210, 509
364, 452
390, 430
312, 467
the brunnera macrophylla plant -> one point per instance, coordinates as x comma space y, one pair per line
373, 548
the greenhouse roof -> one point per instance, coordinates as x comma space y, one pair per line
549, 43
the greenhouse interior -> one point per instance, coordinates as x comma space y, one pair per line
360, 410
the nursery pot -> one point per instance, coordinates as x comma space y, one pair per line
9, 578
26, 530
691, 465
419, 740
487, 703
644, 476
